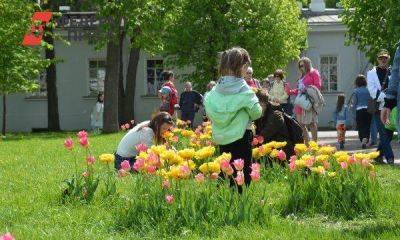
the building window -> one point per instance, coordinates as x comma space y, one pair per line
154, 76
329, 73
97, 75
41, 91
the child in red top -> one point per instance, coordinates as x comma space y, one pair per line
173, 95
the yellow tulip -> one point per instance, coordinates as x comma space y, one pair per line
300, 148
373, 155
223, 156
322, 158
204, 168
187, 153
205, 152
106, 158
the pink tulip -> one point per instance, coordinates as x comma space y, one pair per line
138, 165
364, 162
255, 167
142, 147
7, 236
82, 134
84, 142
185, 170
254, 142
260, 139
292, 166
123, 128
151, 169
125, 165
224, 164
154, 160
85, 174
169, 199
209, 143
327, 165
255, 176
293, 158
352, 160
214, 176
68, 144
343, 165
238, 163
229, 171
199, 178
281, 155
310, 162
122, 173
239, 178
166, 184
90, 160
127, 126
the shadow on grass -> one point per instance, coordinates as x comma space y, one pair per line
43, 135
374, 230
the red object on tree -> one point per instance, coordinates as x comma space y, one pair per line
34, 37
31, 39
42, 16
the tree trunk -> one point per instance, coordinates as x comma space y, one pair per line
53, 119
3, 129
121, 93
129, 103
111, 89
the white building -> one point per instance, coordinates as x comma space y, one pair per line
82, 72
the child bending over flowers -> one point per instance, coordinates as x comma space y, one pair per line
232, 106
144, 134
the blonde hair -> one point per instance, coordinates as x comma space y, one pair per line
307, 63
233, 60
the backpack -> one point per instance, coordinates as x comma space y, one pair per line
294, 129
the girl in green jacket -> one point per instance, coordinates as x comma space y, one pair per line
232, 106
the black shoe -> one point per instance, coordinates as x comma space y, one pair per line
390, 161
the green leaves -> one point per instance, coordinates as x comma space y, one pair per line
19, 65
373, 25
269, 29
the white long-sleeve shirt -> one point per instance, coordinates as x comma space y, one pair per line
139, 134
374, 86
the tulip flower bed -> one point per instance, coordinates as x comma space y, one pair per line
289, 200
187, 184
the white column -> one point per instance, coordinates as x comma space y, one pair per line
317, 5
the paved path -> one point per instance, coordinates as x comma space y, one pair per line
353, 143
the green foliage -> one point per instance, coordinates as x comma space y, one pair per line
143, 22
19, 65
269, 29
373, 25
348, 194
197, 207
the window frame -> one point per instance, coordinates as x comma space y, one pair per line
155, 74
329, 90
89, 92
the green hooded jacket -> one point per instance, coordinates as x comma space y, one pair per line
231, 105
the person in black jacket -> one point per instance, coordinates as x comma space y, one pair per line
189, 103
272, 124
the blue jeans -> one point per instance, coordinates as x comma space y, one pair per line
374, 132
188, 116
384, 142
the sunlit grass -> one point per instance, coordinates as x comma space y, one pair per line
32, 168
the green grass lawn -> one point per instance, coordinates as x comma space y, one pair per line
32, 168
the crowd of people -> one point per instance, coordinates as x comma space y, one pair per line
240, 107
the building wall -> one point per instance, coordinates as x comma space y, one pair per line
73, 88
350, 63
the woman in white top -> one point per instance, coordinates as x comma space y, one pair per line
147, 132
278, 93
96, 118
